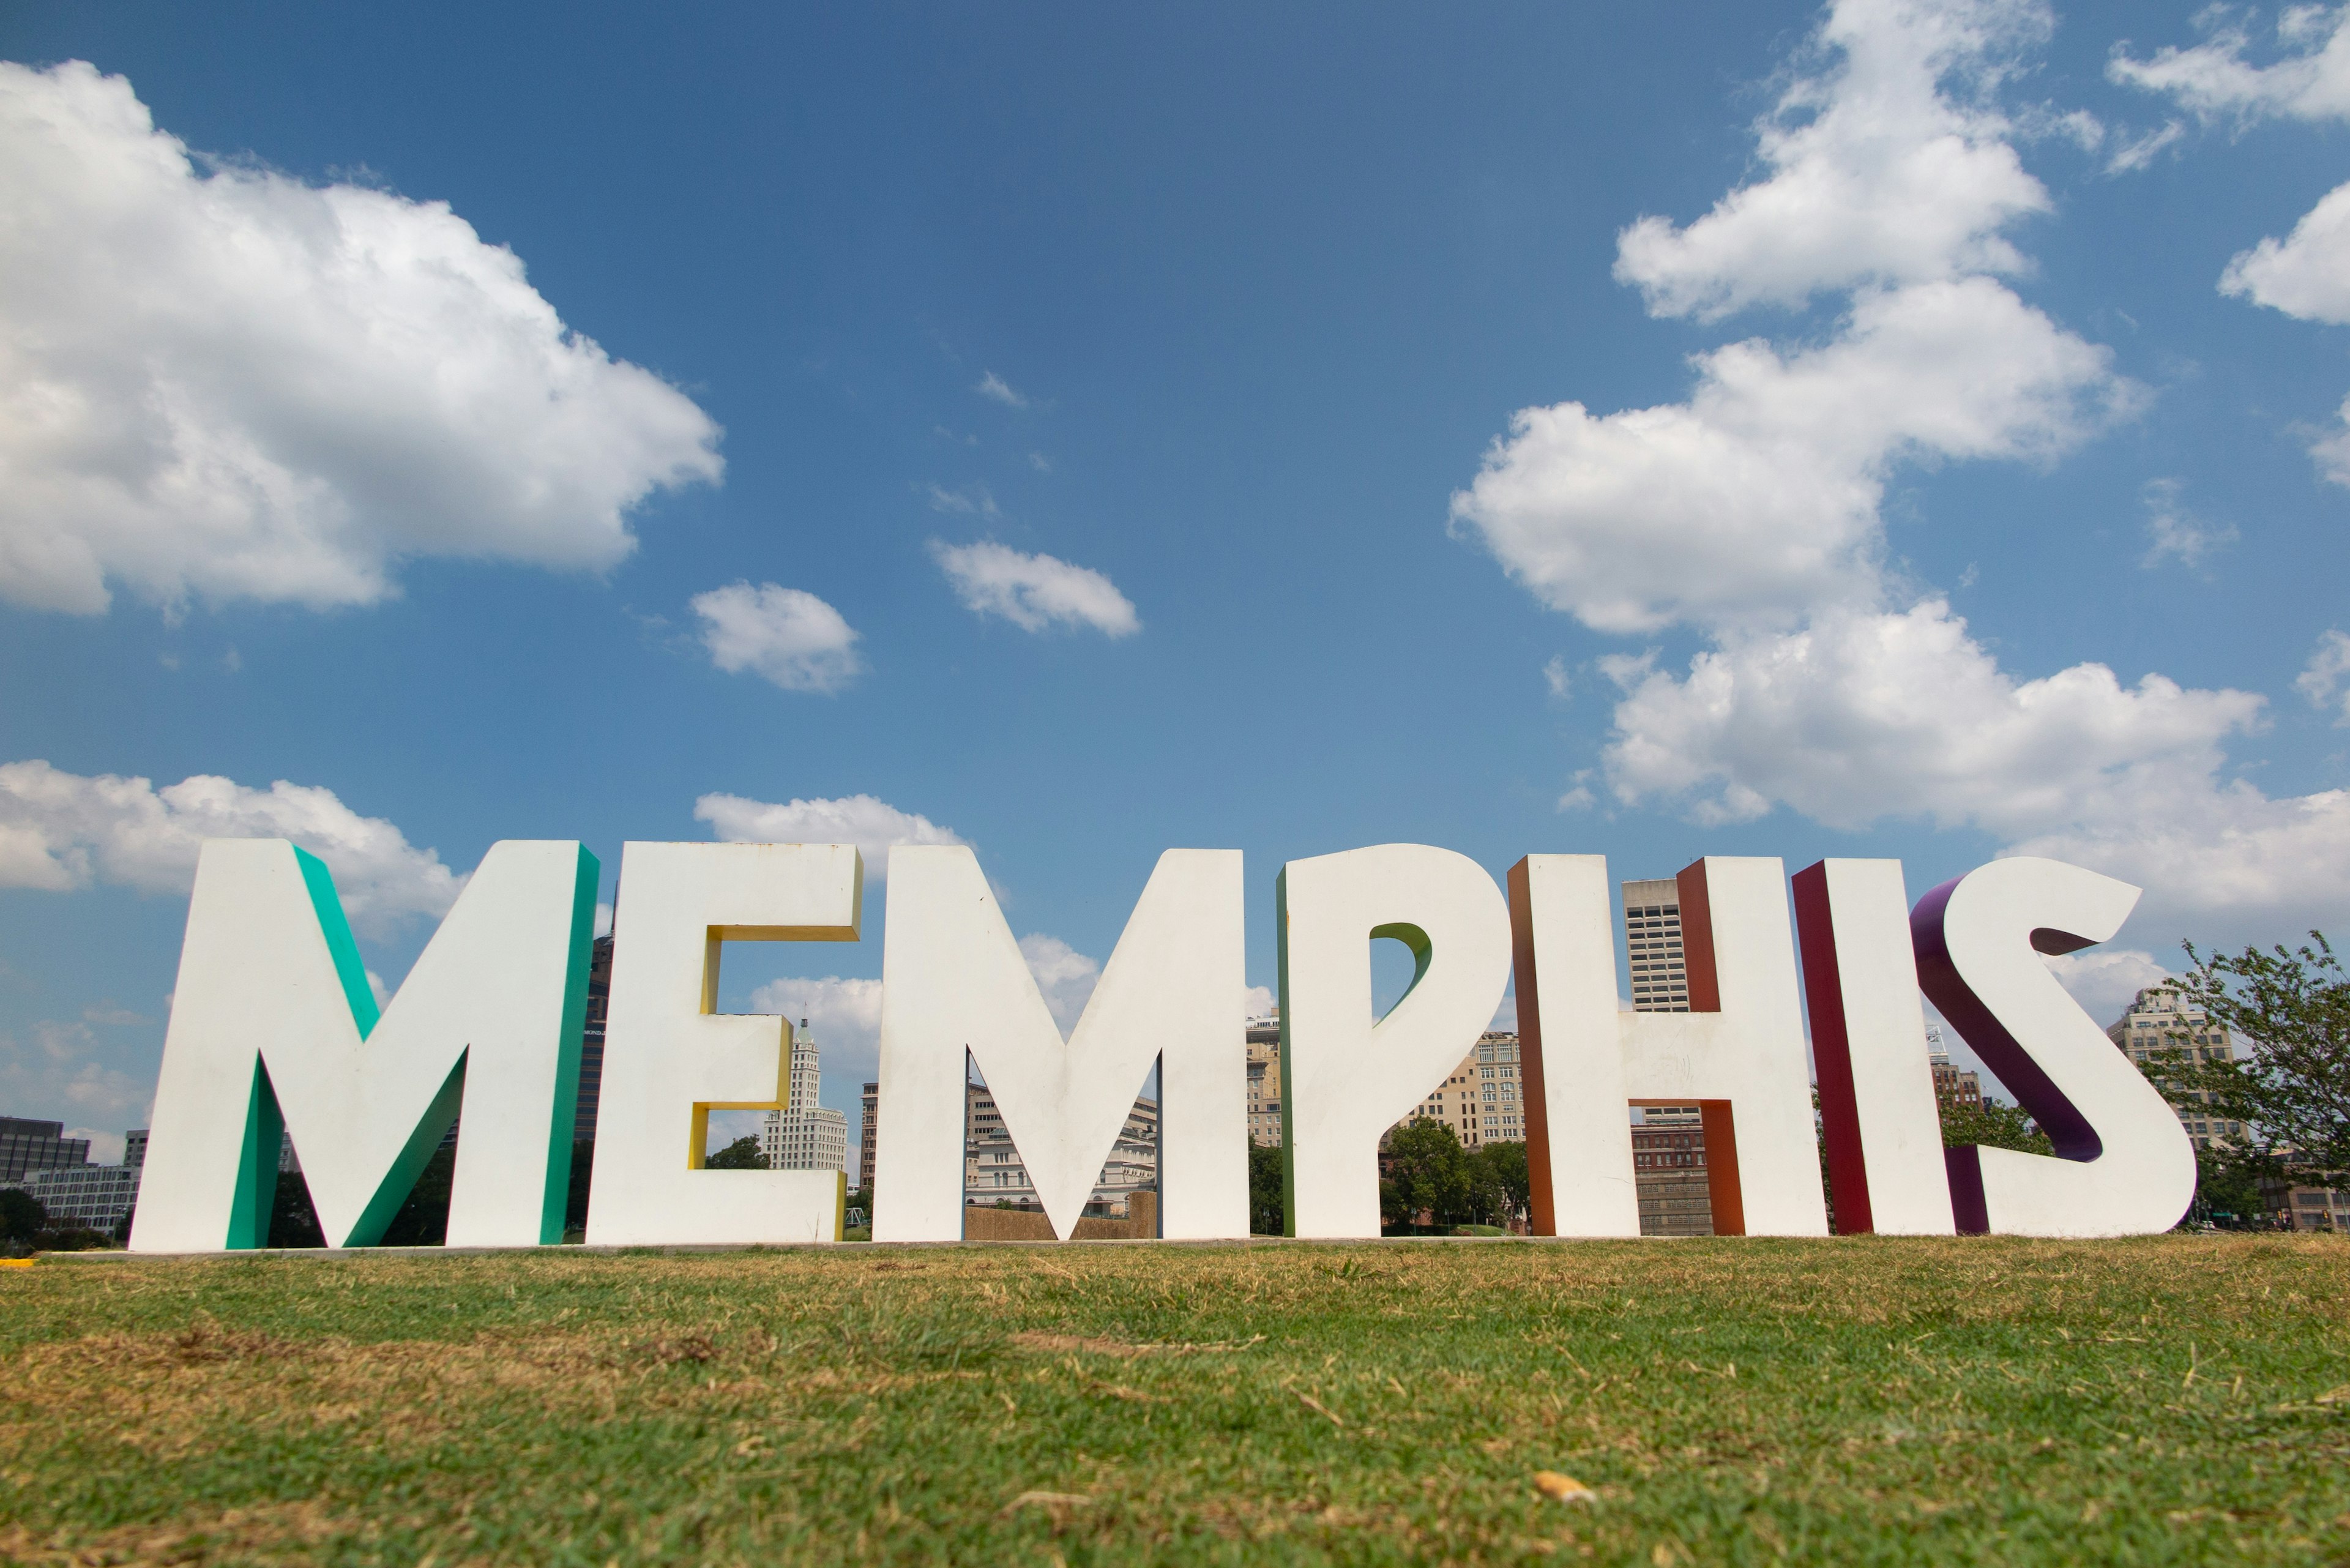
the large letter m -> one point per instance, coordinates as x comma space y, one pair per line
275, 1030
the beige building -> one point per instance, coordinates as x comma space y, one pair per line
1482, 1099
1264, 1081
994, 1174
804, 1135
1955, 1088
2158, 1020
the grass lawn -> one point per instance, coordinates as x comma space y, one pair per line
2176, 1399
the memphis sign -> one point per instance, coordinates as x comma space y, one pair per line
275, 1030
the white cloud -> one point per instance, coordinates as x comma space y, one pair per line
1065, 976
844, 1016
997, 389
105, 1147
1040, 463
603, 919
1863, 716
788, 636
2306, 274
54, 1077
1554, 676
2176, 533
60, 831
1033, 592
2140, 151
1759, 496
1259, 1001
970, 501
2322, 680
217, 381
2105, 981
873, 826
1890, 166
2213, 80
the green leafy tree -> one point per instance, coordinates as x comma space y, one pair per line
1994, 1123
1265, 1210
22, 1217
743, 1153
1431, 1174
1504, 1186
2292, 1092
293, 1220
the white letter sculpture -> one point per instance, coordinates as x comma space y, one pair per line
1344, 1078
1877, 1112
1738, 1053
273, 1029
669, 1059
955, 981
2123, 1165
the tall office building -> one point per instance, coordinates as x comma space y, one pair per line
29, 1146
804, 1135
2160, 1020
1652, 929
869, 1131
134, 1146
591, 1043
1955, 1088
1263, 1036
1482, 1099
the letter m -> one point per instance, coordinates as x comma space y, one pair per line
275, 1030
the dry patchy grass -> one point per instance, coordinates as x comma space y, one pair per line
2172, 1400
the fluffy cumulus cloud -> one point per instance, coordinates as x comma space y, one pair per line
843, 1015
2215, 79
60, 831
787, 635
1759, 496
873, 826
1751, 511
1065, 977
220, 383
1033, 592
2306, 274
1876, 175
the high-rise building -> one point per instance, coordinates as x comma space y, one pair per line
29, 1146
2161, 1020
867, 1134
1652, 929
1669, 1173
994, 1174
804, 1135
1482, 1099
1263, 1036
85, 1196
1955, 1088
591, 1043
134, 1146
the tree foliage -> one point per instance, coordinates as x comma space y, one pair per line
22, 1217
1433, 1181
2292, 1092
1993, 1124
1265, 1202
743, 1153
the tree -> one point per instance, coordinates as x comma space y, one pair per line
2292, 1092
743, 1153
1505, 1189
1994, 1123
293, 1221
22, 1217
1430, 1174
1265, 1204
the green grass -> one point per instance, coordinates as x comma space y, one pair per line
2176, 1399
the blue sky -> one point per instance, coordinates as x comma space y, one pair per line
1892, 429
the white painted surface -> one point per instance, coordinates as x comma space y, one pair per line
1884, 1027
1750, 1052
1347, 1078
954, 981
2143, 1178
257, 974
667, 1051
1570, 997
